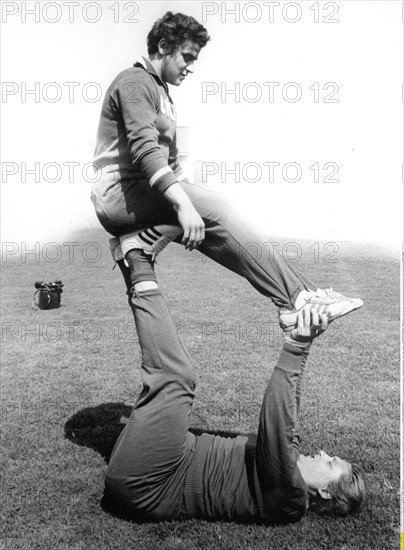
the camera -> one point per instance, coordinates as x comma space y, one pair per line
55, 286
47, 295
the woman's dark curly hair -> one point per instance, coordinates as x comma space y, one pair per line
176, 29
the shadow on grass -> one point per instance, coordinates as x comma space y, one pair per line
99, 427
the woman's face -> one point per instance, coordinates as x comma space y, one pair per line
321, 470
175, 66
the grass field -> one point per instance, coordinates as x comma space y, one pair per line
70, 376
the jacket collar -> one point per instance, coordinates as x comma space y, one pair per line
145, 64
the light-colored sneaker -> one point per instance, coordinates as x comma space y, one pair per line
328, 302
151, 240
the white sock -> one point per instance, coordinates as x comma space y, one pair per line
145, 285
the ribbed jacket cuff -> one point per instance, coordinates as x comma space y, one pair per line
290, 358
165, 181
298, 348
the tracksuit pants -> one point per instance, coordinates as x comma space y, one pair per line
231, 240
146, 473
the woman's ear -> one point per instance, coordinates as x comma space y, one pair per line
162, 46
325, 493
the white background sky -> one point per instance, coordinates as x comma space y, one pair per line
361, 133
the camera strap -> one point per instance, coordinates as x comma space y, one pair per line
35, 304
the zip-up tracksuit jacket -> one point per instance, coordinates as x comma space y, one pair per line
137, 129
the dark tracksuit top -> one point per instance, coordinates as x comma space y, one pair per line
252, 478
137, 129
160, 471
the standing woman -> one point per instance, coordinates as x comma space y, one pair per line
143, 198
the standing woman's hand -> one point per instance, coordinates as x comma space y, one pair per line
189, 219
